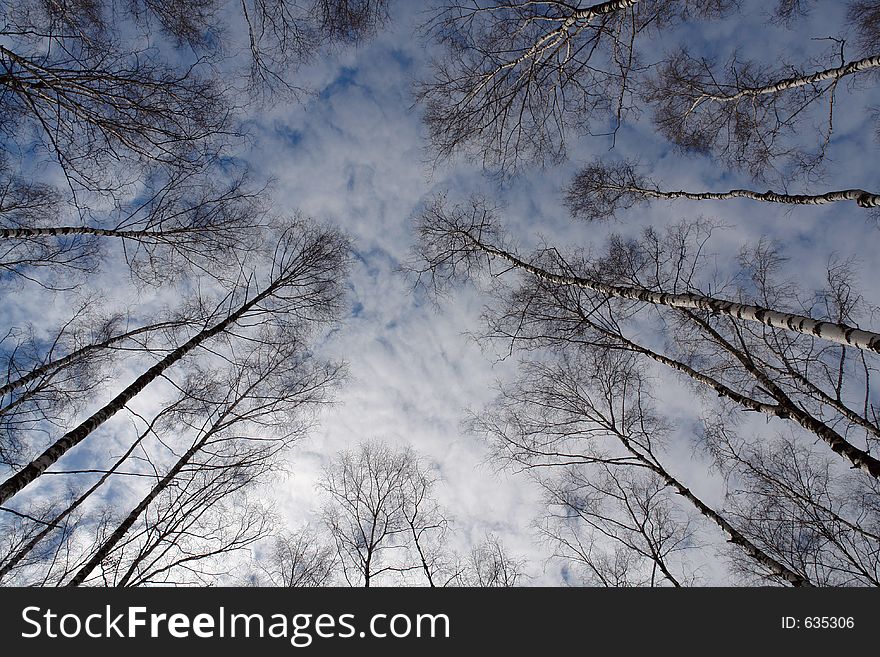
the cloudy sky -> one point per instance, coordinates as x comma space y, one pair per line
356, 155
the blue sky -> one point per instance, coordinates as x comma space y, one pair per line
355, 154
360, 159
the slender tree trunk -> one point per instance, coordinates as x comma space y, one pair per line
836, 73
79, 353
57, 231
862, 198
552, 38
735, 537
36, 467
838, 444
839, 333
117, 535
784, 408
25, 550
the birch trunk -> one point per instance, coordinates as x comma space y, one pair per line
862, 198
784, 408
552, 39
79, 353
734, 536
602, 8
118, 534
58, 231
797, 81
838, 444
36, 467
839, 333
25, 550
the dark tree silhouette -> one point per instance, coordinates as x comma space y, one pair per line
380, 514
304, 281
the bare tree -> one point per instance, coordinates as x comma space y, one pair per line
25, 203
489, 564
61, 520
68, 77
551, 419
817, 390
304, 282
783, 373
600, 189
77, 341
618, 526
183, 222
798, 505
379, 510
141, 131
516, 77
427, 524
54, 374
450, 239
588, 416
93, 105
299, 559
747, 113
864, 16
238, 437
187, 538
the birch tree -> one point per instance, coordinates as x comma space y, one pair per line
748, 113
600, 189
586, 427
225, 431
50, 379
23, 203
562, 413
183, 223
515, 78
238, 441
303, 282
46, 533
380, 513
782, 373
137, 107
71, 82
451, 240
799, 505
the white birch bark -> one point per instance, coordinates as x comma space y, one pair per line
35, 468
79, 353
57, 231
862, 198
784, 408
794, 82
839, 333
